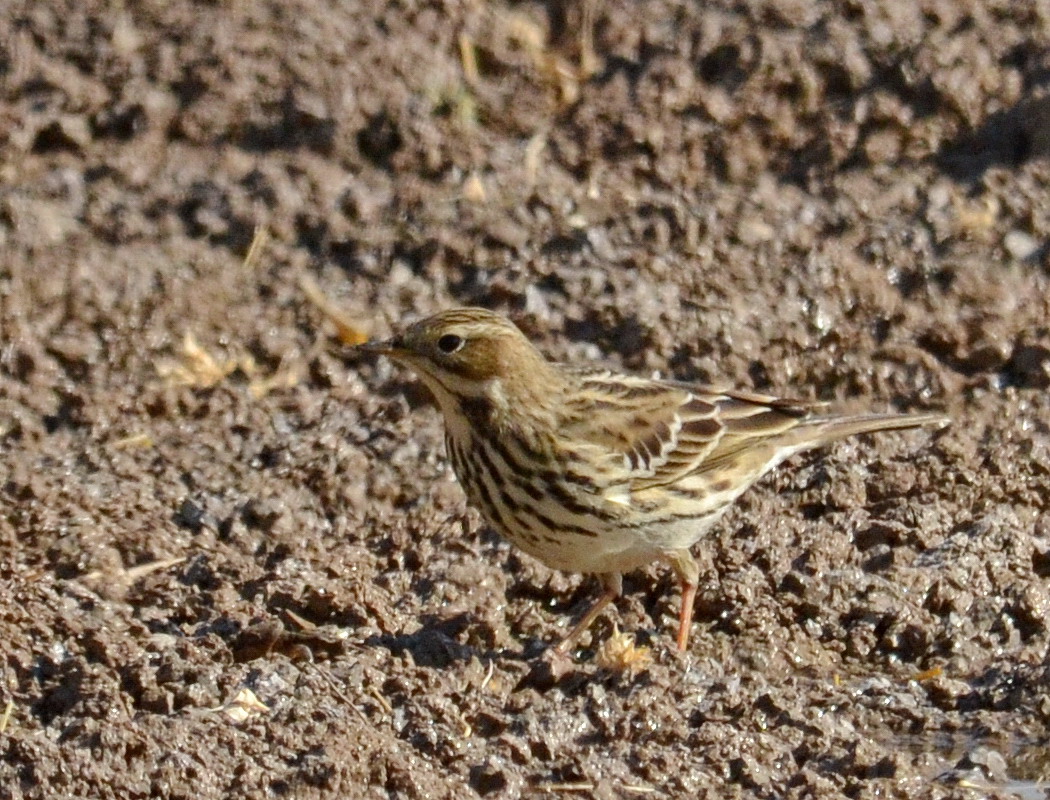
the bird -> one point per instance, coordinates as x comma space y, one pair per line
592, 471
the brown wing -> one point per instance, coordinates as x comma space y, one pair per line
751, 421
662, 431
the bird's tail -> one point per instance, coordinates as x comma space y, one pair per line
818, 431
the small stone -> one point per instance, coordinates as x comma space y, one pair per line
1020, 245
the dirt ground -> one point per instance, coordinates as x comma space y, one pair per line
233, 560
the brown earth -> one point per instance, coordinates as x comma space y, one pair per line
205, 492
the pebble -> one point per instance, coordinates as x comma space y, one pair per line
1020, 245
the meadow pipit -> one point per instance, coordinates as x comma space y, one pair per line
592, 471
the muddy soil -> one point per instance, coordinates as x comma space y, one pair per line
233, 560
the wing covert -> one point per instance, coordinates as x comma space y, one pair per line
657, 432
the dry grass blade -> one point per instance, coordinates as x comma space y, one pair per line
589, 61
135, 440
286, 377
197, 368
619, 653
468, 57
260, 239
348, 332
244, 705
582, 786
130, 575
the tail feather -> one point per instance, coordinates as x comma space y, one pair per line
821, 430
745, 454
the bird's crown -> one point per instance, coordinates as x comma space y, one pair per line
468, 343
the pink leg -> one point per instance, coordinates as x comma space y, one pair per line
685, 619
688, 576
613, 588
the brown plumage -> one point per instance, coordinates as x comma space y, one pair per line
593, 471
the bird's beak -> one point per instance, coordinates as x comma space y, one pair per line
385, 347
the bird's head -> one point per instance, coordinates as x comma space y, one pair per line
468, 354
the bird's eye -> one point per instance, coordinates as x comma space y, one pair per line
450, 343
